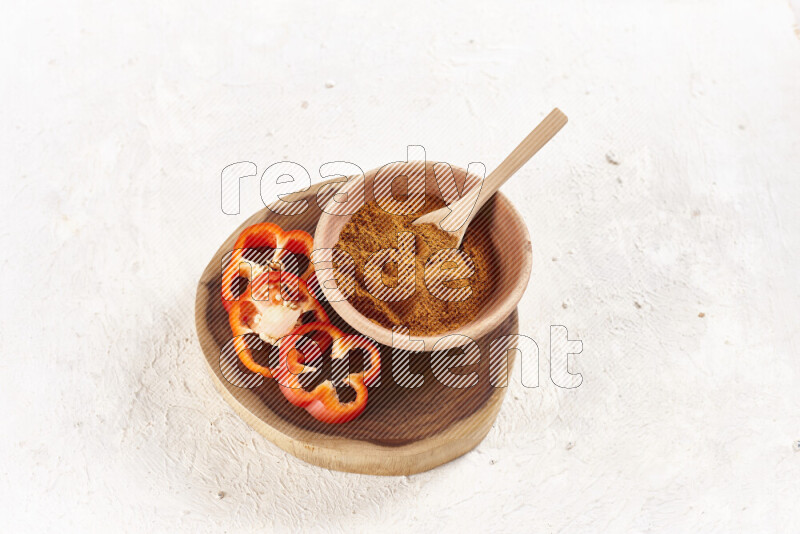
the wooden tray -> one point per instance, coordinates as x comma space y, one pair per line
402, 431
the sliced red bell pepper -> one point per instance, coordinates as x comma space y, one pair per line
323, 402
271, 307
264, 235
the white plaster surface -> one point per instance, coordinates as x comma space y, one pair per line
115, 125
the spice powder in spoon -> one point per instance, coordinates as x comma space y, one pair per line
372, 229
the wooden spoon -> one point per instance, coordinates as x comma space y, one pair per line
468, 206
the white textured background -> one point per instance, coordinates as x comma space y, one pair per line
116, 123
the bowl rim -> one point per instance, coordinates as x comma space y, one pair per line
473, 330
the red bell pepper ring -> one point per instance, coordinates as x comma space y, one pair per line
323, 402
266, 235
271, 307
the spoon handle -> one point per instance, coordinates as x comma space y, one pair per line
520, 155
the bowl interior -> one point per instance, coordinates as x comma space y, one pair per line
508, 235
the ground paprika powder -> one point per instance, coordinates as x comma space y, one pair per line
372, 229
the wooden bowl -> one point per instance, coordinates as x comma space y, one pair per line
403, 430
510, 240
